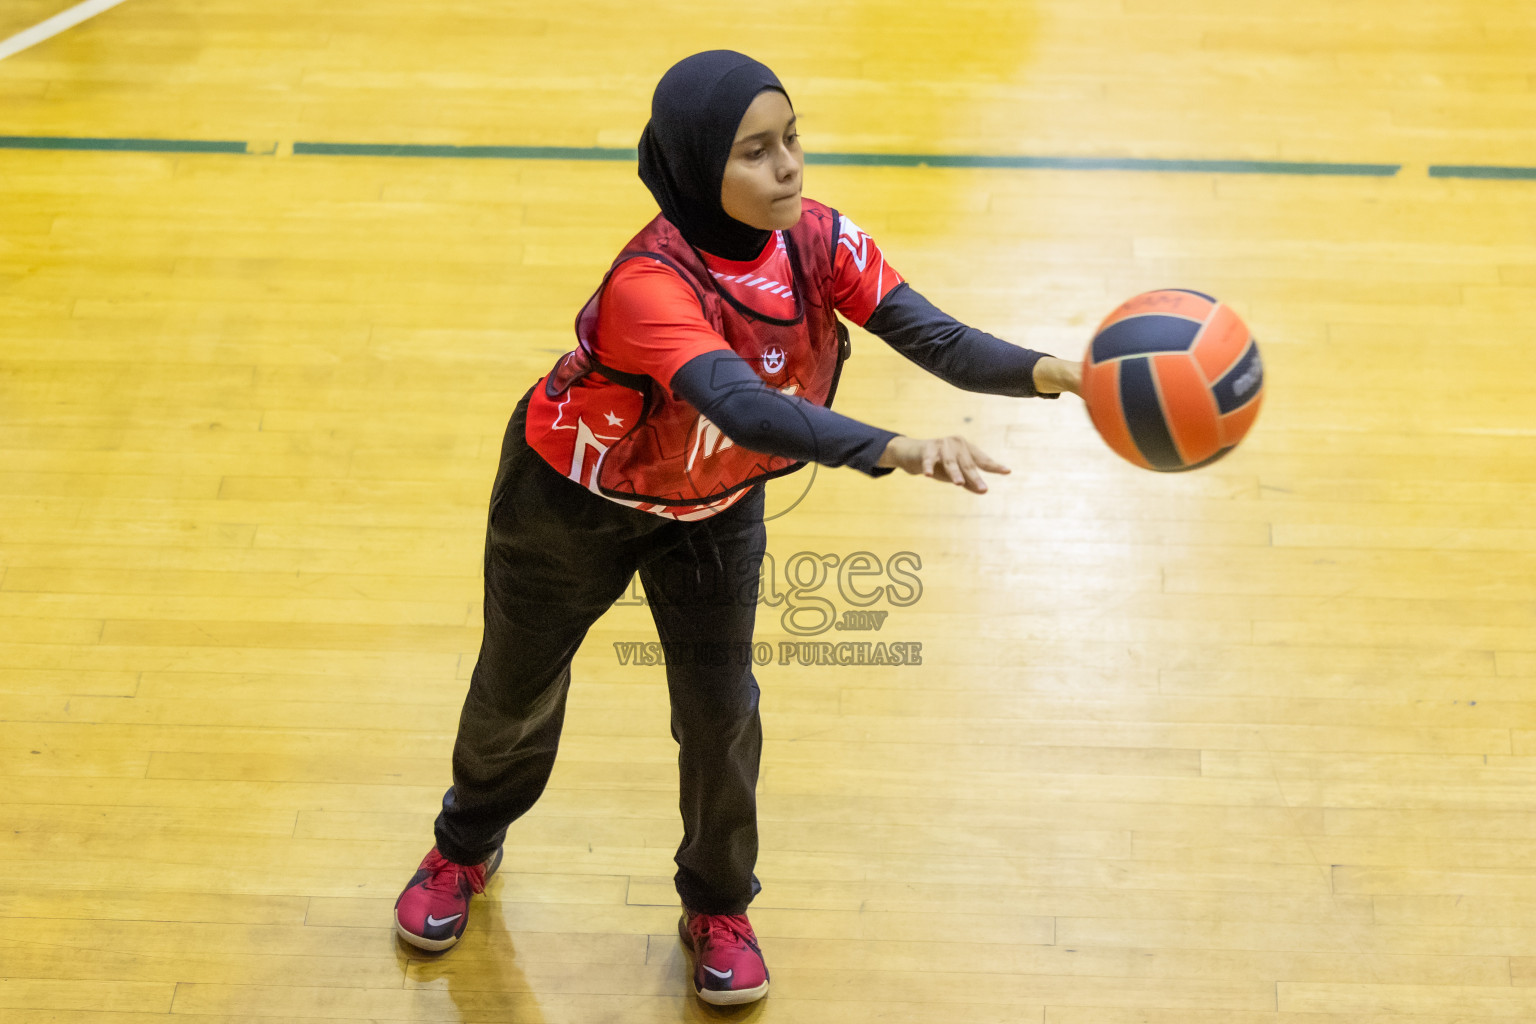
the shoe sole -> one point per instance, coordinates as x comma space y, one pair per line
715, 997
438, 945
423, 943
735, 997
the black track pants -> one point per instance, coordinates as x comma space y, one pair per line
557, 557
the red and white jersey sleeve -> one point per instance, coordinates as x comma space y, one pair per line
650, 322
861, 277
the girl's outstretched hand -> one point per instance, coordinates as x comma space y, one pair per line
949, 459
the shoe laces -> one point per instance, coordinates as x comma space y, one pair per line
446, 874
714, 931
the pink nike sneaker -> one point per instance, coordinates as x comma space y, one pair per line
728, 965
434, 908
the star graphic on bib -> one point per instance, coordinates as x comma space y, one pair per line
614, 421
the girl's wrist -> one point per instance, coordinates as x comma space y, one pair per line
1053, 376
1046, 378
891, 457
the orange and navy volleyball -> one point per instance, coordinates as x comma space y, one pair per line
1173, 380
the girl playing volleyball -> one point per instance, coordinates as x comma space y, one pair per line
706, 363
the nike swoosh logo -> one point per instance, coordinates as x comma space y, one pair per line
723, 976
433, 922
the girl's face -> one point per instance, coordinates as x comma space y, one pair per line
761, 187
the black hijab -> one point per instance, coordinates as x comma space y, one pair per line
695, 112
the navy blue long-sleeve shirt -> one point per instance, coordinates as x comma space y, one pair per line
724, 387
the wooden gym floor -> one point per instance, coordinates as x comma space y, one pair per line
1250, 745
